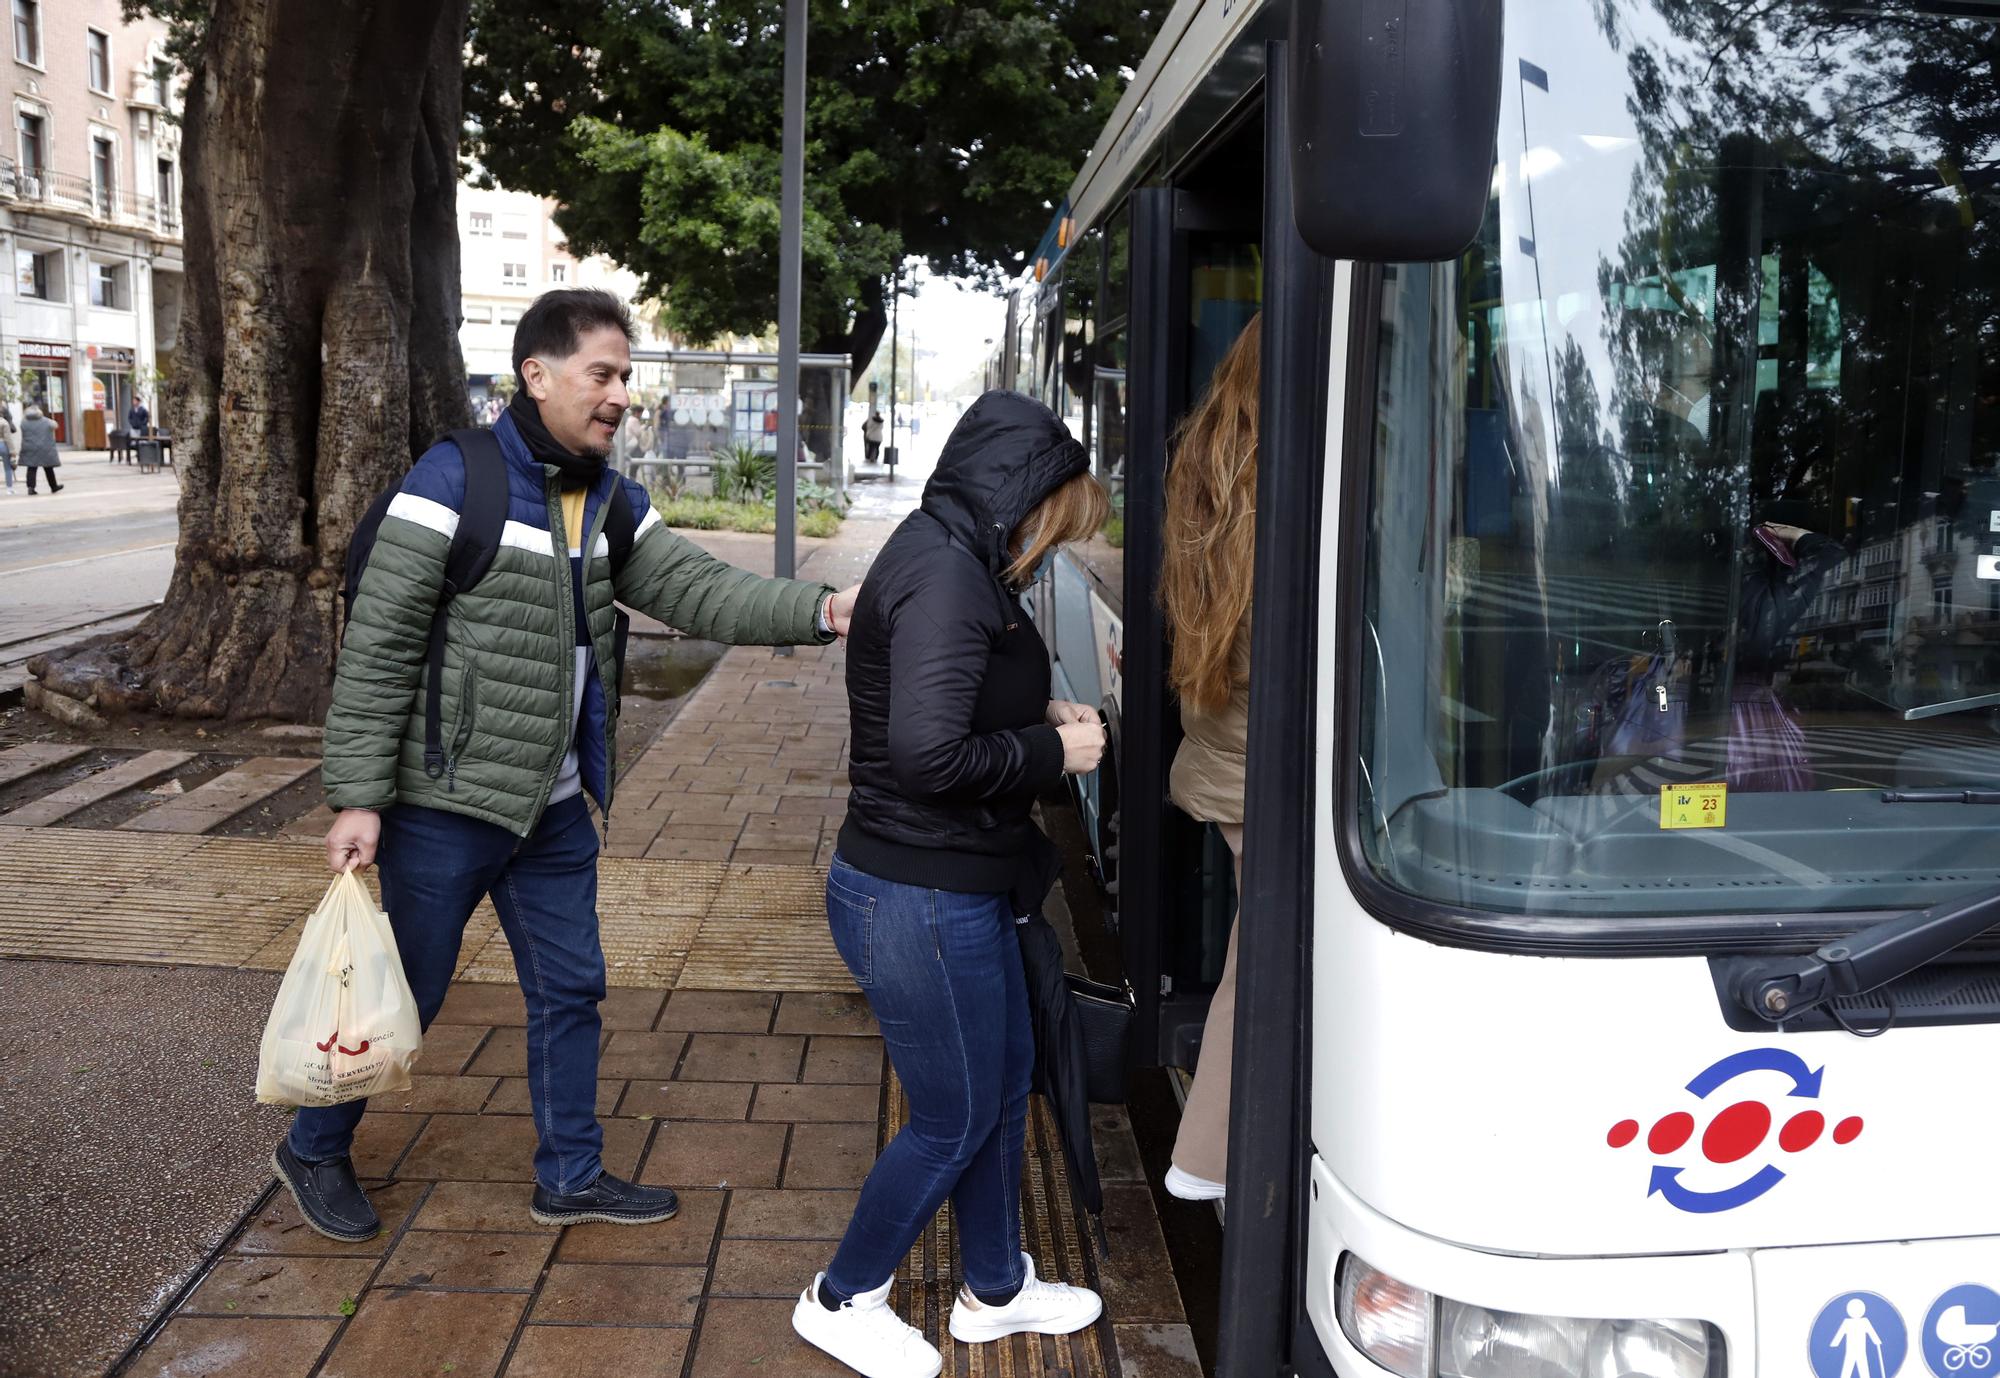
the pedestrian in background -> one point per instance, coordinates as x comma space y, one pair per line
138, 421
871, 435
1211, 538
10, 443
529, 707
954, 736
38, 447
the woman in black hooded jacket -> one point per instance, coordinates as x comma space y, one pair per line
953, 736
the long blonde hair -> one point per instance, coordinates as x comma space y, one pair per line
1211, 535
1073, 512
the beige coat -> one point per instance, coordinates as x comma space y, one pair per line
1207, 777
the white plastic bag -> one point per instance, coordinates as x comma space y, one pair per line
345, 1025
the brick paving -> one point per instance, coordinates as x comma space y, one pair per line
753, 768
764, 1111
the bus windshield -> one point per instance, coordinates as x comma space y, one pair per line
1682, 582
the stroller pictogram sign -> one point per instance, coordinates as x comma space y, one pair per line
1858, 1335
1962, 1333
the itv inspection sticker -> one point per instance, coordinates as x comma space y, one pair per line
1693, 806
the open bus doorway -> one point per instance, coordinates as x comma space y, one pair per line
1126, 330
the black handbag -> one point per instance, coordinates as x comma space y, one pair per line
1104, 1013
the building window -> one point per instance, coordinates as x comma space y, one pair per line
107, 286
513, 227
103, 171
482, 222
511, 316
169, 203
28, 32
31, 274
558, 272
100, 61
479, 315
34, 143
514, 274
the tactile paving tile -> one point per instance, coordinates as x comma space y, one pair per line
1056, 1235
767, 931
115, 897
119, 896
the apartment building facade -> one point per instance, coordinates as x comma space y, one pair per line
90, 223
510, 252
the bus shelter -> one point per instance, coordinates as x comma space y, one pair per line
689, 405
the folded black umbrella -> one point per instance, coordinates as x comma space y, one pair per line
1062, 1072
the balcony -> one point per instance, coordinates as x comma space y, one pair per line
70, 194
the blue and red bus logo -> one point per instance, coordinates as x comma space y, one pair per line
1739, 1131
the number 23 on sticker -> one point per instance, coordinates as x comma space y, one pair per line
1693, 806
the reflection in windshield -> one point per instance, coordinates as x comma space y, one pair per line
1686, 474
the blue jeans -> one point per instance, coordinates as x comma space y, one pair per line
942, 971
435, 868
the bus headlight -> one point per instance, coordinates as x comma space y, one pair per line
1416, 1335
1387, 1320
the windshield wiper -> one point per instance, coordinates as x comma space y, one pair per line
1938, 710
1941, 796
1869, 959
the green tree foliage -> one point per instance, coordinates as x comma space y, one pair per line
944, 131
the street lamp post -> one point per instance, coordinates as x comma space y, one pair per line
895, 359
790, 239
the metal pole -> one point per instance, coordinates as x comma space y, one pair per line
792, 215
895, 357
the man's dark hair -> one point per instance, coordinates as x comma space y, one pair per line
556, 320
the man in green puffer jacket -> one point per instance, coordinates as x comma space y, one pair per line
529, 714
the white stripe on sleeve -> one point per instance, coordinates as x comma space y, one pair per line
434, 516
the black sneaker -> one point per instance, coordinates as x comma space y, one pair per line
609, 1199
328, 1196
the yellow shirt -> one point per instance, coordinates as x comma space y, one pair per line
572, 517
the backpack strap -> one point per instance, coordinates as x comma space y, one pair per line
481, 518
619, 529
619, 533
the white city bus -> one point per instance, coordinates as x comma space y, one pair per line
1617, 995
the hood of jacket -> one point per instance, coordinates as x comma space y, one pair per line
1006, 454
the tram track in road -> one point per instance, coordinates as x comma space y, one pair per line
77, 578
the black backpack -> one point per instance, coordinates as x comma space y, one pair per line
473, 545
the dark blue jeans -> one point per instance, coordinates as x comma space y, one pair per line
435, 868
942, 972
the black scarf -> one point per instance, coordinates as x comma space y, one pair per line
578, 471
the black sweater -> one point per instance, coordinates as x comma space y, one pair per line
948, 680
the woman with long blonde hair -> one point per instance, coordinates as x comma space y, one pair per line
1211, 537
953, 737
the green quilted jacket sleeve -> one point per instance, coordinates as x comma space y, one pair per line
382, 657
673, 579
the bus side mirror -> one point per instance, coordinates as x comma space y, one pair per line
1394, 106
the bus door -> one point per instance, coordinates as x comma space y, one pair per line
1196, 281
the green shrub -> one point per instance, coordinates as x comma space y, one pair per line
695, 513
1114, 533
741, 474
752, 518
820, 497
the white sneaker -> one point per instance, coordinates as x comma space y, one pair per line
1189, 1187
1040, 1308
865, 1334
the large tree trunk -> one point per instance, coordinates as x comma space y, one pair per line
318, 341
